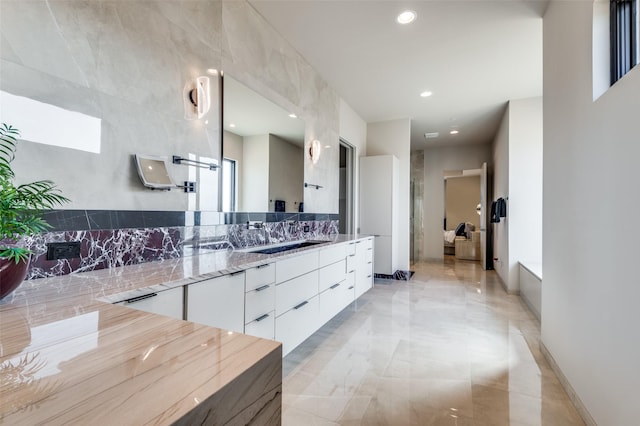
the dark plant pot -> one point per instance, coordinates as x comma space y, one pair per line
11, 275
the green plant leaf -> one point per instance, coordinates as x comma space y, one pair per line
21, 207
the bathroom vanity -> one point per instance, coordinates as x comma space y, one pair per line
73, 350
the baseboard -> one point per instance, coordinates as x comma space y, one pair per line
575, 399
530, 307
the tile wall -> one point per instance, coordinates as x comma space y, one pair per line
117, 238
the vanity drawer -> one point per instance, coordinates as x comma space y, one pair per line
259, 301
293, 292
368, 243
217, 302
263, 326
332, 254
368, 255
335, 299
351, 248
168, 303
292, 267
332, 274
259, 276
296, 325
351, 261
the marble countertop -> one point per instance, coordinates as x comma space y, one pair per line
67, 355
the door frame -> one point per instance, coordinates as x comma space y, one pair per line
349, 185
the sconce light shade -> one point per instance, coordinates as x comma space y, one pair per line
315, 148
197, 98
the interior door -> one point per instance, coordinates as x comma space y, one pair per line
483, 216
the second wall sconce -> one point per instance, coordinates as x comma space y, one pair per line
197, 98
315, 148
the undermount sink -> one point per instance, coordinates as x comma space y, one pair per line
285, 247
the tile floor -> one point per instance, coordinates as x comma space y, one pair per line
449, 347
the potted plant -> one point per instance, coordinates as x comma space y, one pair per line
21, 209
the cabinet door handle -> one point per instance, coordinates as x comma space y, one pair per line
233, 274
352, 255
139, 298
368, 276
368, 263
350, 288
370, 248
334, 286
300, 305
263, 266
261, 317
263, 287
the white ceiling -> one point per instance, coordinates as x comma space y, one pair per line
473, 55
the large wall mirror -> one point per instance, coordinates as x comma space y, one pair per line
263, 153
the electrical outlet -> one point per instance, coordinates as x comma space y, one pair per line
189, 186
306, 228
65, 250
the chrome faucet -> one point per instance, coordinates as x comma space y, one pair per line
255, 224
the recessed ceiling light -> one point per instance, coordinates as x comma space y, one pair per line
212, 71
431, 135
292, 115
232, 125
426, 94
406, 17
454, 132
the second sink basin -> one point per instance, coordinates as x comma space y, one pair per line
287, 247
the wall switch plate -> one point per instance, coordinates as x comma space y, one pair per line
64, 250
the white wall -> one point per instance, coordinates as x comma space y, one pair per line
590, 315
394, 137
286, 173
127, 63
462, 196
353, 129
525, 185
255, 174
436, 161
517, 159
233, 150
500, 176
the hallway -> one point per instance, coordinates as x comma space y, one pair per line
449, 347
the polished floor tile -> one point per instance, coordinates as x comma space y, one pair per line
449, 347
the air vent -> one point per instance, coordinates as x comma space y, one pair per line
431, 135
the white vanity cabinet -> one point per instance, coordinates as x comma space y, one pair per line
285, 299
260, 301
296, 310
167, 302
296, 299
363, 264
218, 302
332, 286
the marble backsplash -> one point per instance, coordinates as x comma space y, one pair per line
110, 248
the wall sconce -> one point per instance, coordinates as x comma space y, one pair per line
315, 148
197, 98
479, 209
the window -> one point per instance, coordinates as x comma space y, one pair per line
623, 37
228, 185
